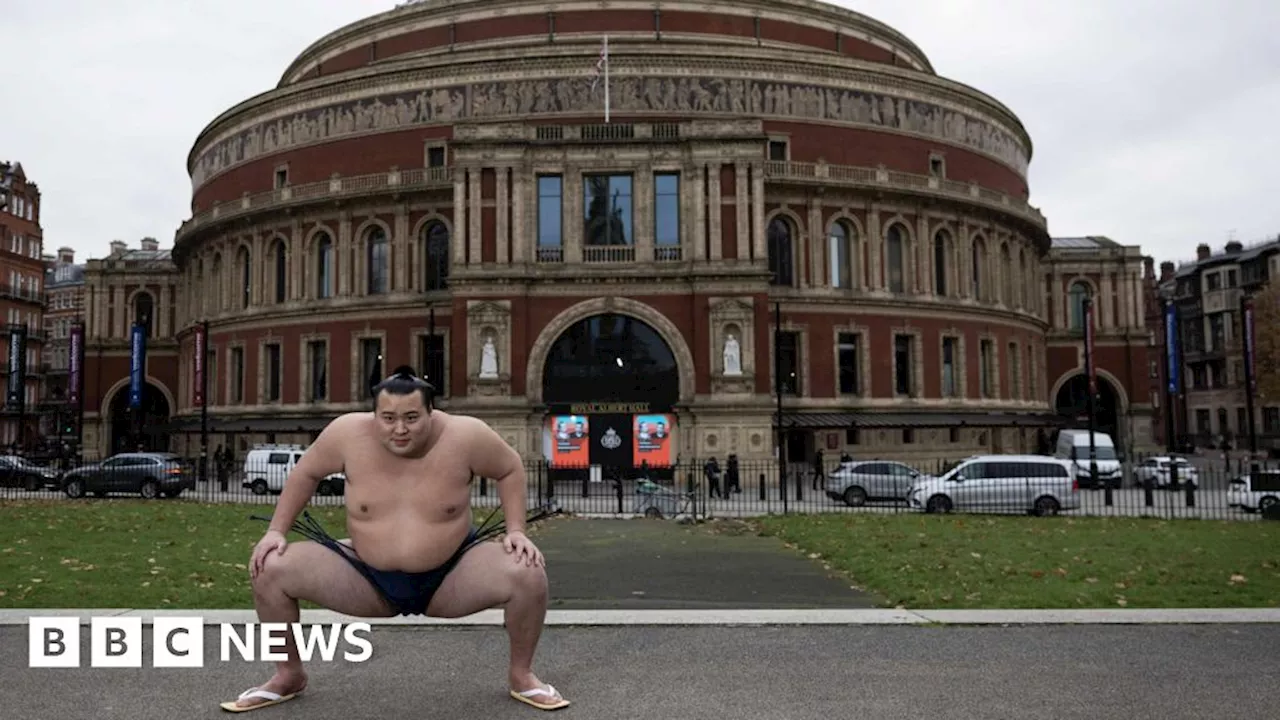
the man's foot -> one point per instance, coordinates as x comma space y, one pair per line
528, 689
280, 687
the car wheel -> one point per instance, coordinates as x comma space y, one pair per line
74, 489
31, 484
938, 504
1045, 506
259, 487
150, 490
653, 512
1267, 502
855, 496
324, 488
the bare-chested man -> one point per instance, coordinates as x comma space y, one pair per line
413, 549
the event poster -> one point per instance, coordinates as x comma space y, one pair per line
653, 440
570, 440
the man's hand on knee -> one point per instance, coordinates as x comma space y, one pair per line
519, 545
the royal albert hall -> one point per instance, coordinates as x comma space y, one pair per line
444, 185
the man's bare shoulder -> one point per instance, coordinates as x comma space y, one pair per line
348, 426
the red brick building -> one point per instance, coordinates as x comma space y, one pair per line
21, 304
438, 186
1113, 275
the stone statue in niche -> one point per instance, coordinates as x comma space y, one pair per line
732, 356
489, 359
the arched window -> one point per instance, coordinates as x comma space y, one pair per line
1075, 303
941, 241
246, 277
435, 256
896, 254
780, 249
1006, 275
377, 262
282, 271
144, 308
324, 265
978, 263
841, 255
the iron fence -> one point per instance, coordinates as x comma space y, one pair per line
1203, 488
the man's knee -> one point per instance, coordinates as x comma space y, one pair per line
275, 571
525, 579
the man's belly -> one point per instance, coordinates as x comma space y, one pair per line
405, 543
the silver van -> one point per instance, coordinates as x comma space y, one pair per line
857, 481
1036, 484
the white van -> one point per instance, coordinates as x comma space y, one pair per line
1073, 445
266, 467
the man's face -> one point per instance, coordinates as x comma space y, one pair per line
403, 423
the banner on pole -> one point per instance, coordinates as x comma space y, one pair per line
16, 396
1171, 348
76, 363
201, 354
137, 364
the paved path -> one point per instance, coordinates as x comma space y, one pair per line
1163, 672
647, 564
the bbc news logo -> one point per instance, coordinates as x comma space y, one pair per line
178, 642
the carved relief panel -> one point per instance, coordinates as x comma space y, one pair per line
489, 348
732, 345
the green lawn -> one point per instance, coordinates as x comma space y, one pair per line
134, 554
919, 561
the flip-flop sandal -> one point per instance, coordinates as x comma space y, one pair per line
270, 697
528, 695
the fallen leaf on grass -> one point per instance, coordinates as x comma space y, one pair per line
1091, 581
1237, 579
1061, 572
1122, 602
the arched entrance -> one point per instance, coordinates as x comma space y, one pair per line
132, 431
1073, 402
610, 383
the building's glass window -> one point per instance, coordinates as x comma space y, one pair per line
902, 364
666, 209
780, 252
848, 358
1075, 302
371, 363
435, 253
789, 362
324, 266
841, 256
894, 243
606, 207
282, 271
378, 261
550, 218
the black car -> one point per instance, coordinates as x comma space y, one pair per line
19, 472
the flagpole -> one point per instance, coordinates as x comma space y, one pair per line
606, 79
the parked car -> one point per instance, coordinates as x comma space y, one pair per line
17, 471
1159, 470
267, 466
1073, 445
1254, 495
149, 474
1036, 484
856, 482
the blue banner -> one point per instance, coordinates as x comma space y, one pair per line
137, 365
1171, 347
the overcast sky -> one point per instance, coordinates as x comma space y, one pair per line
1154, 122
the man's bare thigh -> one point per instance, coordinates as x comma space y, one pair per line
315, 573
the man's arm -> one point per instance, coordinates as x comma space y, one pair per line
322, 459
491, 457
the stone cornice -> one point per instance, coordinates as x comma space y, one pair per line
564, 62
420, 16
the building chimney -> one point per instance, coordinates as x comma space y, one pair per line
66, 255
118, 246
150, 243
1203, 252
1149, 267
1167, 269
1234, 247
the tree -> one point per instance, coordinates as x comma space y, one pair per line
1266, 341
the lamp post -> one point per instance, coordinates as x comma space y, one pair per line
1250, 379
1091, 390
777, 388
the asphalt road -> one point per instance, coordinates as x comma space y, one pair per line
1163, 672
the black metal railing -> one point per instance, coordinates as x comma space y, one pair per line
700, 489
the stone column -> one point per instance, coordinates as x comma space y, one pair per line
520, 233
342, 255
459, 238
642, 231
1105, 302
714, 197
874, 243
123, 319
297, 261
400, 250
502, 228
757, 210
164, 318
741, 195
474, 229
924, 255
258, 279
573, 212
815, 241
697, 232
